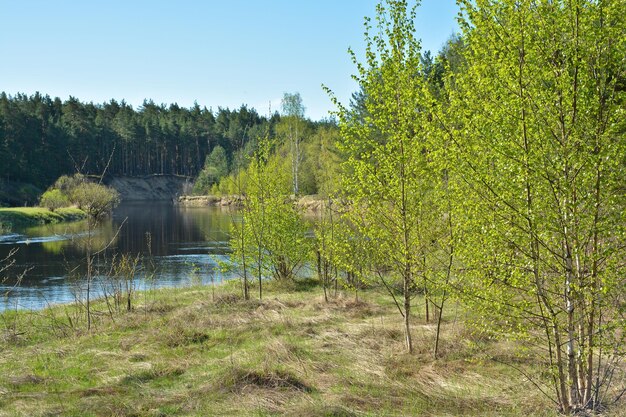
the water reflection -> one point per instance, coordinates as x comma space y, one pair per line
178, 245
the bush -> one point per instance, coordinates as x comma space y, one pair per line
95, 199
54, 199
67, 184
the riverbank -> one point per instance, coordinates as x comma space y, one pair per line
201, 351
234, 201
310, 203
149, 187
31, 216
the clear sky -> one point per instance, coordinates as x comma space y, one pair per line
218, 53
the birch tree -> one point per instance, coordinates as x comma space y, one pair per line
388, 175
293, 111
534, 118
270, 241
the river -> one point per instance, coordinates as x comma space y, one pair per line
178, 246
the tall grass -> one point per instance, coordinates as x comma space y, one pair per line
187, 353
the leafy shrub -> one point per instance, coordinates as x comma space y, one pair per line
54, 199
66, 184
96, 199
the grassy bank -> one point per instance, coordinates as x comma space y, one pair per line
186, 352
32, 216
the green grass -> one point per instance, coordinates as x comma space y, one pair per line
16, 217
181, 352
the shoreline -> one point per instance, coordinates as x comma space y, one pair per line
309, 203
17, 217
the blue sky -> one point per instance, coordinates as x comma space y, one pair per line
218, 53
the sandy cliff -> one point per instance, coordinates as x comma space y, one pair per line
151, 187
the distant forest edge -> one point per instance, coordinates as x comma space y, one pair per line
42, 138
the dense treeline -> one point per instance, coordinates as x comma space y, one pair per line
42, 138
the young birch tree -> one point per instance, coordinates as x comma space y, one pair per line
248, 241
533, 118
293, 111
271, 239
389, 180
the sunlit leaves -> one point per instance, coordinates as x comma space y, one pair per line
534, 118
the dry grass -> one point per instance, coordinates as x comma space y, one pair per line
182, 354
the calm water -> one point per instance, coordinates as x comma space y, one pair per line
179, 246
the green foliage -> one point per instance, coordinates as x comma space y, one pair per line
215, 167
292, 105
342, 245
318, 164
54, 199
234, 184
96, 199
271, 239
321, 167
532, 118
66, 183
388, 174
42, 138
293, 111
494, 170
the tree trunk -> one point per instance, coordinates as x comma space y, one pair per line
319, 274
246, 292
89, 273
562, 394
437, 335
407, 309
260, 271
